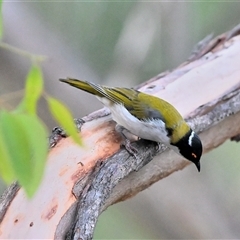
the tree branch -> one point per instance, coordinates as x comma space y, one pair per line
206, 90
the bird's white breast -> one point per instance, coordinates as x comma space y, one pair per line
150, 129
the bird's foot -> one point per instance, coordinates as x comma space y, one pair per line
128, 146
127, 137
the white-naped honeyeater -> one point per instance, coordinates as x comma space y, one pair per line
147, 117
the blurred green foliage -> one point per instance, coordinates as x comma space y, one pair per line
34, 88
23, 136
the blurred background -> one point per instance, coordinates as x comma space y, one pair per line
124, 44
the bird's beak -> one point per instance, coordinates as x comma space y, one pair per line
198, 166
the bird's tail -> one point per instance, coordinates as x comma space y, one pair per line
83, 85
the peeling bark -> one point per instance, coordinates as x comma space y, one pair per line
80, 183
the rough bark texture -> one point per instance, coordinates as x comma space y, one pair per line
79, 183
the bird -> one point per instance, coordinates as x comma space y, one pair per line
147, 117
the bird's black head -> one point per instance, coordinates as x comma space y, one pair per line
190, 147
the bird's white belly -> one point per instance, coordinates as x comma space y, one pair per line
151, 129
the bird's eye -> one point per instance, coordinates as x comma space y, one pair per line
194, 155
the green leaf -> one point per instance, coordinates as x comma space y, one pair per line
33, 89
25, 138
64, 118
20, 108
6, 168
1, 20
18, 146
37, 138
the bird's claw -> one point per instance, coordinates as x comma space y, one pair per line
132, 150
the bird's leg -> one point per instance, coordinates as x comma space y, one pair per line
127, 137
